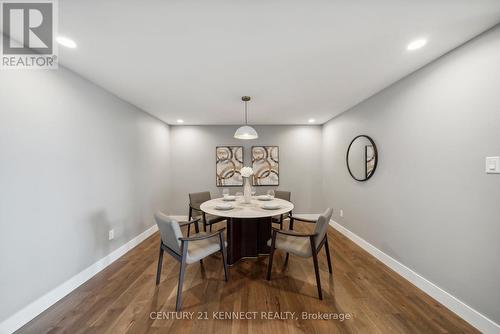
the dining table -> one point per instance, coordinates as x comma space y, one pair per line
248, 224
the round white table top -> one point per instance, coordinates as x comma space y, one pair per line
242, 210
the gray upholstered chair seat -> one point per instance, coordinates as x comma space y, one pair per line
195, 201
200, 249
285, 195
295, 245
303, 244
187, 250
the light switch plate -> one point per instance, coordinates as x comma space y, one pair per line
493, 165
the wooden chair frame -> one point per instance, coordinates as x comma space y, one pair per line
280, 219
314, 250
204, 219
182, 257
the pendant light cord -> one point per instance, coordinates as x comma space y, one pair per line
246, 119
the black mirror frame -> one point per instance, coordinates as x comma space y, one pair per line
376, 158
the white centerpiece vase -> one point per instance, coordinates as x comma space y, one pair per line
247, 191
246, 173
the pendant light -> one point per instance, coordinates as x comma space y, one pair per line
246, 131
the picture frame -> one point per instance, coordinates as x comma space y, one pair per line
265, 165
228, 163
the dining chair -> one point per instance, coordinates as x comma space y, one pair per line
286, 195
303, 244
195, 200
187, 250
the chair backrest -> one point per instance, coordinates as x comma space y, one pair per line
170, 232
321, 226
282, 195
195, 199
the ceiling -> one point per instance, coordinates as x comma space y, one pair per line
298, 60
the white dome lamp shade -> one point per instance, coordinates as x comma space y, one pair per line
246, 131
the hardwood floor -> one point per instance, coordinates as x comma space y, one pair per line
121, 298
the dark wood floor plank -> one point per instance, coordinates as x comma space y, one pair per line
121, 298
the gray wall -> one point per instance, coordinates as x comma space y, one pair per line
193, 161
75, 161
430, 204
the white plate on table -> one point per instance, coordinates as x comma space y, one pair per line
224, 206
271, 206
229, 198
264, 198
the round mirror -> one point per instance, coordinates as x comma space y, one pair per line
362, 158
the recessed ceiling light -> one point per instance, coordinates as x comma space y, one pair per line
180, 121
65, 41
311, 120
416, 44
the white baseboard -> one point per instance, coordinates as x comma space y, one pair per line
464, 311
28, 313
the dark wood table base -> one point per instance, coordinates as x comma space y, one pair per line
247, 237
